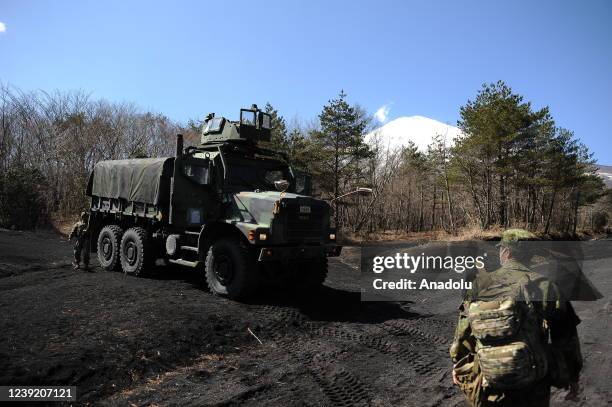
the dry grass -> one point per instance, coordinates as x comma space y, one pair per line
64, 225
469, 233
434, 235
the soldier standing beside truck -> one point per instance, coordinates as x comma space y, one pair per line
516, 336
81, 249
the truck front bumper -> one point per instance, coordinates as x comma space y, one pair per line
282, 253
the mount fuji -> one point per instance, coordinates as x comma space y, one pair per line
605, 172
396, 134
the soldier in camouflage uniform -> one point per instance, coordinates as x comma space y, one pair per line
81, 245
494, 328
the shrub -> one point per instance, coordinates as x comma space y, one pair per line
21, 198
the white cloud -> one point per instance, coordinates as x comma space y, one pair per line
2, 27
382, 114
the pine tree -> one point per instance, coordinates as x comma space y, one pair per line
499, 127
339, 148
278, 137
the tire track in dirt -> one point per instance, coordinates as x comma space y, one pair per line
418, 356
344, 388
341, 387
409, 327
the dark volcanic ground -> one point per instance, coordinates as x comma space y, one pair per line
162, 340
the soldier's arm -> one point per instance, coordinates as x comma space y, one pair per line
461, 345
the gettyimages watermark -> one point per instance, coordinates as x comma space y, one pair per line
393, 272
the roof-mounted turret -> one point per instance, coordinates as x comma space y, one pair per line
254, 126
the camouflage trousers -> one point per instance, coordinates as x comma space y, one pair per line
470, 383
81, 250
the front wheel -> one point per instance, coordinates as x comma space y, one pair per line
135, 251
230, 269
109, 241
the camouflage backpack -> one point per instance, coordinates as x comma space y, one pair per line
511, 343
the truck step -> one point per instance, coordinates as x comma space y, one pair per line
189, 232
189, 248
185, 263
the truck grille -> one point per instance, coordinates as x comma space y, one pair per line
305, 225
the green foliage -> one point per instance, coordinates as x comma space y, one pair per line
22, 198
500, 130
516, 162
299, 150
293, 144
278, 137
339, 147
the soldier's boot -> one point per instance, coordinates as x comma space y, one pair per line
76, 265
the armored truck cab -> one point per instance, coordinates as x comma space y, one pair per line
235, 212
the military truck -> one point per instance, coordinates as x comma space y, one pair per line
235, 212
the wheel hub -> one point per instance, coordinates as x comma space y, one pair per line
131, 253
106, 248
224, 269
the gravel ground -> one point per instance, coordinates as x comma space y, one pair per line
162, 340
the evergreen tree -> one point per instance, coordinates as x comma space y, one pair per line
499, 128
278, 137
339, 148
299, 150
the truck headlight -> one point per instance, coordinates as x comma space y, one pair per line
332, 236
258, 235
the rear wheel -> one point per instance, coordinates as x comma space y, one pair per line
230, 269
135, 251
109, 241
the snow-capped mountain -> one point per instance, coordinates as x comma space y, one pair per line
395, 134
605, 172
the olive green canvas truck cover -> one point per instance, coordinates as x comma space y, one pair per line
145, 180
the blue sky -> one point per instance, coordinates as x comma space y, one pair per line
186, 59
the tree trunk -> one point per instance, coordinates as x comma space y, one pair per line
550, 209
433, 208
421, 219
576, 203
449, 202
502, 201
336, 185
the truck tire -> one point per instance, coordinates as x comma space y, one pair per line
230, 269
135, 253
109, 241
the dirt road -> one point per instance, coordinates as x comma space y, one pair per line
163, 340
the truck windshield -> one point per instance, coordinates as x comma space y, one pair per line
255, 176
